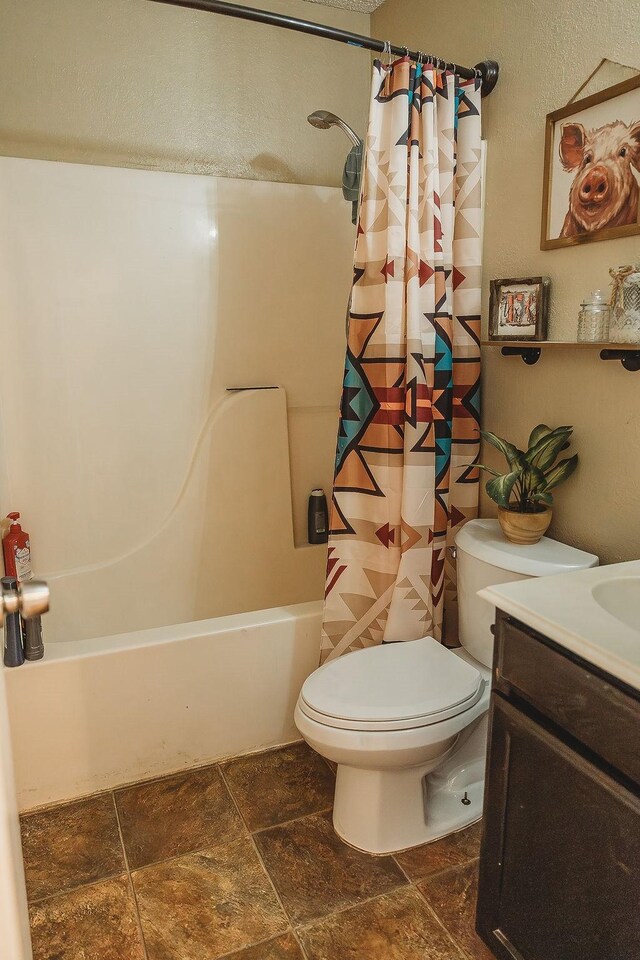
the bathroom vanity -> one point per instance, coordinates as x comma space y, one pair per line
560, 862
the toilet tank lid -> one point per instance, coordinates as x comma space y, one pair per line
484, 540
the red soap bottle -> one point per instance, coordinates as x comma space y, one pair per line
17, 551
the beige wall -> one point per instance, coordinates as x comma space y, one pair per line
138, 84
546, 50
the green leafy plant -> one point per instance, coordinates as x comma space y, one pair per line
533, 473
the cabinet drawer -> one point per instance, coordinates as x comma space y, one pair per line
597, 713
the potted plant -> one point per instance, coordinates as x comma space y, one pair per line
523, 494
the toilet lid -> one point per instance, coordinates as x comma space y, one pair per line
413, 683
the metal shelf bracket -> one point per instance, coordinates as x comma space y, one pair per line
530, 355
630, 359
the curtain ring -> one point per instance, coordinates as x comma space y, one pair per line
386, 52
406, 51
420, 57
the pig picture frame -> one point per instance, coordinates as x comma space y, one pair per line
592, 168
519, 308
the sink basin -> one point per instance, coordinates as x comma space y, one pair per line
621, 598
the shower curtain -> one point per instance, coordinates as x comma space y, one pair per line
405, 477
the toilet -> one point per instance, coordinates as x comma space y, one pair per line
406, 722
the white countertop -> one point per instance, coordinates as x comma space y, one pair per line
562, 607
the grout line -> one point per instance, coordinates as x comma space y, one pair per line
251, 946
80, 886
401, 869
463, 952
297, 939
450, 868
191, 853
286, 823
437, 874
352, 906
264, 866
130, 879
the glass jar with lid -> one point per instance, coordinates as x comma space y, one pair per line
593, 319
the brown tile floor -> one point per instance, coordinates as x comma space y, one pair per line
239, 860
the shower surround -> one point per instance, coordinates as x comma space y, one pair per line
133, 301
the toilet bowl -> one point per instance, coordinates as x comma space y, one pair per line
406, 722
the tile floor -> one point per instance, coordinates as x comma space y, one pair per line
239, 860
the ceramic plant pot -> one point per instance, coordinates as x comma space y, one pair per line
524, 527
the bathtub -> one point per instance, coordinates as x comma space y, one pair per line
95, 714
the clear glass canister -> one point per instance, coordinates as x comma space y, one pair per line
593, 319
625, 304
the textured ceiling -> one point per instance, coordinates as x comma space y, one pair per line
360, 6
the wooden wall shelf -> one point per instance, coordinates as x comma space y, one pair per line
530, 350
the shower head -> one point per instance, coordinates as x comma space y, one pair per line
323, 119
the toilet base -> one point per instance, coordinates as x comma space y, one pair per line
384, 811
370, 832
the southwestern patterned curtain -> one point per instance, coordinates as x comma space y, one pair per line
407, 443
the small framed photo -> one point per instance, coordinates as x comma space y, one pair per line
519, 309
592, 168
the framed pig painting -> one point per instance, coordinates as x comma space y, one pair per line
592, 168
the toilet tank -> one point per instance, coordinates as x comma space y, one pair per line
486, 558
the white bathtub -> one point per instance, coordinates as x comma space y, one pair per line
98, 713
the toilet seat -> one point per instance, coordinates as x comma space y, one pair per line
395, 686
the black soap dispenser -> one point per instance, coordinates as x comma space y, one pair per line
318, 517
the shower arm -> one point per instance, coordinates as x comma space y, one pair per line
355, 139
487, 70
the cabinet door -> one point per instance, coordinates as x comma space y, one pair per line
560, 866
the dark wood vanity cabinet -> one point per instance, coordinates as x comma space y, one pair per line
560, 860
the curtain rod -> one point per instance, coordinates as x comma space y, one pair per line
488, 69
